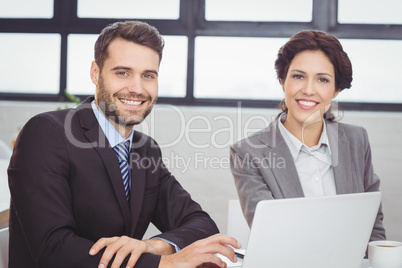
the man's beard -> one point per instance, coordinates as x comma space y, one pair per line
111, 111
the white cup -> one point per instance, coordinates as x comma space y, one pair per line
385, 254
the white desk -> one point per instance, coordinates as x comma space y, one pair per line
365, 263
4, 192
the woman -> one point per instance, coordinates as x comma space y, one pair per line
305, 153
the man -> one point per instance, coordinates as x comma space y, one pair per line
78, 201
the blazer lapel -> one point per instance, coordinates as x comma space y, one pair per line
138, 177
340, 155
99, 142
281, 162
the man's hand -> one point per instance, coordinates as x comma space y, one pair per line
202, 253
124, 245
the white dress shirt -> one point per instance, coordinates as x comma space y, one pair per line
313, 164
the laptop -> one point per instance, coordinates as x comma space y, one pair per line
317, 232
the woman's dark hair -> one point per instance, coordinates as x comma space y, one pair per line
315, 40
135, 31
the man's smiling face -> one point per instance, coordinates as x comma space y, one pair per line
127, 85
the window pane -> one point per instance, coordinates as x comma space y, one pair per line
172, 73
80, 54
139, 9
366, 11
259, 10
26, 9
33, 68
376, 71
173, 69
234, 67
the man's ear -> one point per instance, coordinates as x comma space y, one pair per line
94, 73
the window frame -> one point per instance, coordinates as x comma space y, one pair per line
192, 23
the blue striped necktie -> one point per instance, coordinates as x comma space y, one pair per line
122, 150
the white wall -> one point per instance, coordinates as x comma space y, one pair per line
195, 143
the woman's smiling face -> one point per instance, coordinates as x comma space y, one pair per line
309, 87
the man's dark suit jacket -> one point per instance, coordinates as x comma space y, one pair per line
67, 192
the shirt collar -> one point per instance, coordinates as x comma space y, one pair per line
323, 139
295, 145
111, 133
